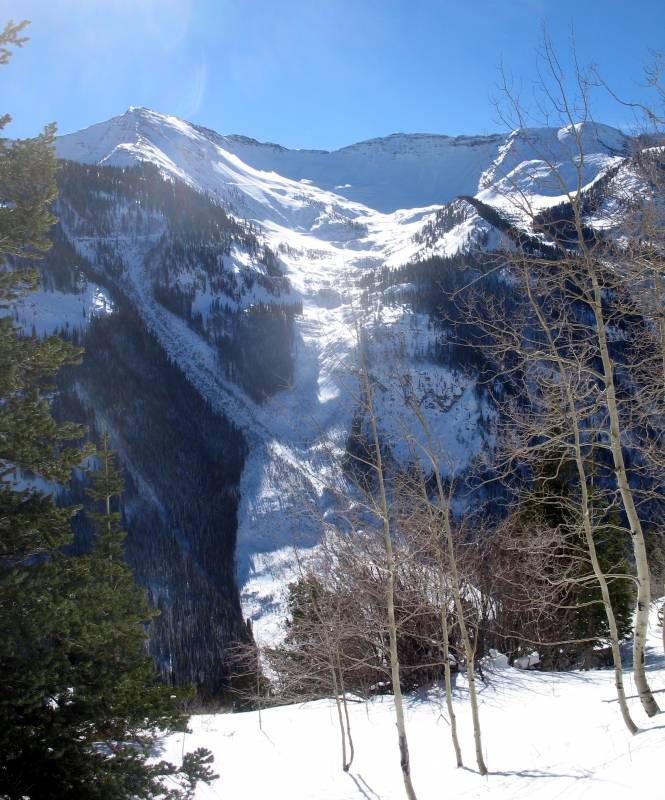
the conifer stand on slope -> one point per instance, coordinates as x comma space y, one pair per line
80, 704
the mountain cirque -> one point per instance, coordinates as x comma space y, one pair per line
329, 219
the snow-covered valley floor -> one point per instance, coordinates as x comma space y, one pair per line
545, 735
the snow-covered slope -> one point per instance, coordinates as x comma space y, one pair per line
401, 171
398, 171
330, 218
545, 735
386, 174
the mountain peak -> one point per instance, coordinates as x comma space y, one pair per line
399, 171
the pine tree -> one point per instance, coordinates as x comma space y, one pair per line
553, 501
79, 702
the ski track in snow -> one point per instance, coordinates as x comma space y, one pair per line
330, 218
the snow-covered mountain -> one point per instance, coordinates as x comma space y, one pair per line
400, 171
329, 219
396, 172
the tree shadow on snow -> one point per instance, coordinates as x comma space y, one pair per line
534, 773
372, 796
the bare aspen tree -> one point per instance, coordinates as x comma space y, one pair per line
469, 647
579, 258
251, 687
308, 665
433, 456
420, 519
325, 634
443, 595
639, 257
541, 345
377, 466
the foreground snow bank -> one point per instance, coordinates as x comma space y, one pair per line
546, 735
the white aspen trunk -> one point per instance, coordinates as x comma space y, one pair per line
639, 547
258, 687
443, 605
390, 595
605, 592
661, 328
588, 530
392, 630
346, 714
334, 664
470, 671
446, 660
345, 766
661, 324
395, 676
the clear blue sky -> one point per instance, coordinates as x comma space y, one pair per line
305, 73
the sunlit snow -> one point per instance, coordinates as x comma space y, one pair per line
545, 735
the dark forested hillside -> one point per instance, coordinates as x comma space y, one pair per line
182, 465
182, 460
93, 199
182, 239
439, 287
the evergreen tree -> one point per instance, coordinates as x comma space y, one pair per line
554, 501
79, 703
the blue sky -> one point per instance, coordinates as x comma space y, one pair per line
306, 73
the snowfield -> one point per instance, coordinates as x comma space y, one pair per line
545, 735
